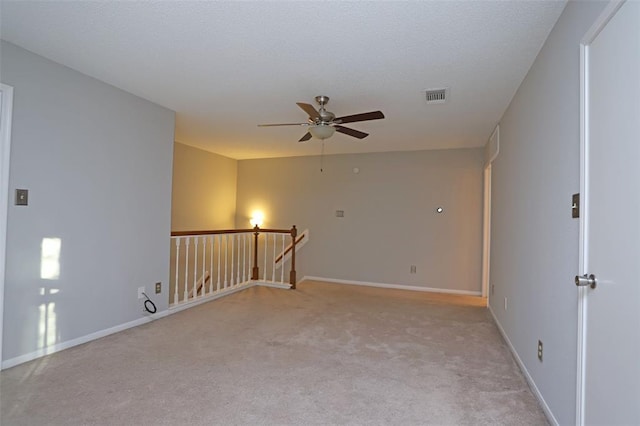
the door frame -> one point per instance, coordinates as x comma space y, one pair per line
583, 250
486, 232
6, 110
492, 149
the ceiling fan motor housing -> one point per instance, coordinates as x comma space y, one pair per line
325, 116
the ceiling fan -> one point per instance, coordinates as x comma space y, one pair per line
323, 124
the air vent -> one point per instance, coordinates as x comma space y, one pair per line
436, 96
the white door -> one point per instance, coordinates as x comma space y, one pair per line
611, 219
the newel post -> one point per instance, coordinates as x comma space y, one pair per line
255, 271
292, 274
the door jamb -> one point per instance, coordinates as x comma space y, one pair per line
6, 109
492, 149
486, 232
490, 153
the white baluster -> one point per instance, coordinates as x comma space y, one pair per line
251, 256
211, 267
266, 246
204, 251
232, 252
219, 240
226, 252
244, 258
273, 267
186, 271
282, 261
195, 268
175, 294
239, 252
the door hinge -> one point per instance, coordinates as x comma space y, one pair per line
575, 205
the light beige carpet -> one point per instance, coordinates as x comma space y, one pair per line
322, 354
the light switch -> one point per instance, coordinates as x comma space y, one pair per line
22, 197
575, 205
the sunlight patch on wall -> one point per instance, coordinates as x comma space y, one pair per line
47, 330
50, 258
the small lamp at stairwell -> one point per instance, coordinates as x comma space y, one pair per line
256, 219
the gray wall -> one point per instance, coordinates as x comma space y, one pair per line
97, 163
204, 190
389, 209
534, 240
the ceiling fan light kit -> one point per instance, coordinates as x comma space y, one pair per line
323, 124
322, 131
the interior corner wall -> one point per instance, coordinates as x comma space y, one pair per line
534, 240
204, 190
390, 220
97, 163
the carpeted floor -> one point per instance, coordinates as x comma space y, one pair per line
322, 354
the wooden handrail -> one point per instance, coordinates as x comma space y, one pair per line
230, 231
288, 250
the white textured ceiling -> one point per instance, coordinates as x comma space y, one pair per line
224, 67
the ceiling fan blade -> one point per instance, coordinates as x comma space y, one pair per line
310, 110
373, 115
283, 124
305, 138
351, 132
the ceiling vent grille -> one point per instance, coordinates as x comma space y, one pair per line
436, 96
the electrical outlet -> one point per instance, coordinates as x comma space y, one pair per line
140, 291
505, 303
158, 288
540, 350
413, 269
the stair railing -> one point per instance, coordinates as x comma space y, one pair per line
212, 263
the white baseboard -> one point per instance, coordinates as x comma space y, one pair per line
393, 286
525, 372
80, 340
208, 298
272, 284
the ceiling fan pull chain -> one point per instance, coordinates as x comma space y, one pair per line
322, 157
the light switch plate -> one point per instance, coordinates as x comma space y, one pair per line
575, 206
22, 197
